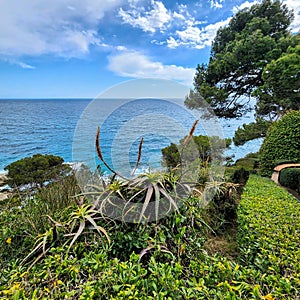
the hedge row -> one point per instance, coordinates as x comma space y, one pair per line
269, 235
290, 178
282, 143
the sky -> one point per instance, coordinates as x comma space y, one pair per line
79, 48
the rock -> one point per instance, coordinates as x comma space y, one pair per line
3, 177
3, 196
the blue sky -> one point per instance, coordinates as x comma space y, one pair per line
78, 48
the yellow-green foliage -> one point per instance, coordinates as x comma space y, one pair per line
174, 264
269, 233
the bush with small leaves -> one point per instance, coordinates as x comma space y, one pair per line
290, 178
281, 143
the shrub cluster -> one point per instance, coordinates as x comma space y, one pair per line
268, 235
167, 259
290, 178
36, 170
282, 142
202, 147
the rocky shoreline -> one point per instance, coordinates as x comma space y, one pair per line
3, 194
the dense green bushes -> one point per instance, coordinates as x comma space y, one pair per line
168, 260
290, 178
36, 170
251, 131
24, 218
269, 234
202, 147
282, 142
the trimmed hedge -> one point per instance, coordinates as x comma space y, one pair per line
269, 235
290, 178
282, 142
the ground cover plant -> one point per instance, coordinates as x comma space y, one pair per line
269, 234
77, 251
168, 259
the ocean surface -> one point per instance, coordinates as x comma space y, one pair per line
67, 127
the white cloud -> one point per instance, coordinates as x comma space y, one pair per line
60, 27
121, 48
195, 37
18, 63
246, 4
149, 21
216, 4
295, 5
136, 65
24, 65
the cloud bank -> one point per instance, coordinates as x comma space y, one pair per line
60, 27
136, 65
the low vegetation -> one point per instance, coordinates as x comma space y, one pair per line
81, 255
282, 143
268, 235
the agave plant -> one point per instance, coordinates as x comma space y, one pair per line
81, 219
146, 197
159, 194
43, 244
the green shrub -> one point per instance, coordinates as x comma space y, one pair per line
250, 164
205, 146
268, 235
167, 260
36, 170
240, 176
24, 218
282, 142
290, 178
283, 161
220, 213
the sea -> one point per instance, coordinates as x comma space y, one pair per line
67, 128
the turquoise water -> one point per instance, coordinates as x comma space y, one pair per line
48, 126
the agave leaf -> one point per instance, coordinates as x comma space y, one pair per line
146, 202
40, 245
124, 214
37, 259
55, 222
80, 230
135, 195
44, 243
171, 200
145, 251
120, 194
166, 250
103, 203
98, 228
157, 198
128, 202
32, 252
